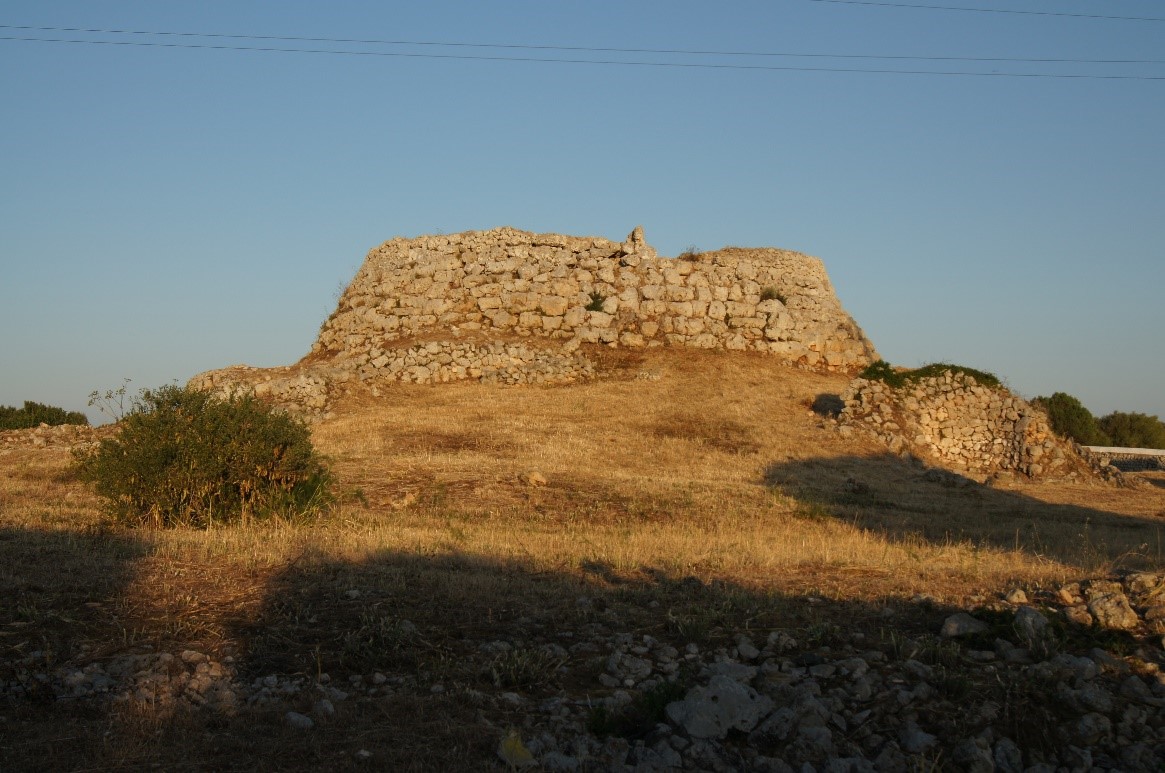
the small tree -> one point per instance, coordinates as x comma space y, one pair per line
1134, 430
1071, 419
185, 457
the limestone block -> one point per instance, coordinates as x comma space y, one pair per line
599, 319
553, 305
652, 308
574, 316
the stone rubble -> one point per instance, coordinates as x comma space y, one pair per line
770, 704
67, 436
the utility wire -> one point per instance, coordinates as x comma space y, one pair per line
590, 49
616, 62
992, 10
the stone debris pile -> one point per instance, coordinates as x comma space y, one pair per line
1017, 684
67, 436
963, 425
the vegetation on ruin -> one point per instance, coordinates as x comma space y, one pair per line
772, 294
885, 372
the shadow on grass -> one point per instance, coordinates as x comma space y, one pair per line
426, 646
905, 501
59, 604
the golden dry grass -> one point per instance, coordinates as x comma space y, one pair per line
686, 491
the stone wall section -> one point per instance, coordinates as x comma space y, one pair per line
307, 390
591, 290
962, 425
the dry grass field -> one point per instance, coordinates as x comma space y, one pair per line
685, 495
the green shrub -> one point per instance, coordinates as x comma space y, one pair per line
884, 371
35, 414
1133, 430
1071, 419
597, 301
183, 457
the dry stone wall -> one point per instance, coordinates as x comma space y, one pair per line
591, 290
963, 425
513, 307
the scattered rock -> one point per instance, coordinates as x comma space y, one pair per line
298, 721
962, 624
723, 705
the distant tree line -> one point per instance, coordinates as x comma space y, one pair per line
35, 414
1070, 418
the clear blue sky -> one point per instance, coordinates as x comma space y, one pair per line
169, 210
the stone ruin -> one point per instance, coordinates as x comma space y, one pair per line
514, 307
959, 424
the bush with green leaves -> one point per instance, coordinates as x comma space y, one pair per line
183, 457
885, 372
1133, 430
35, 414
1069, 418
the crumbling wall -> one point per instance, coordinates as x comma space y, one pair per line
953, 420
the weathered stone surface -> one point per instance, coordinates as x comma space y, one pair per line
1109, 605
723, 705
962, 624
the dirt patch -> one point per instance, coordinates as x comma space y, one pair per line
724, 435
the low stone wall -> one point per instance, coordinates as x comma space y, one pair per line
308, 389
1130, 459
592, 290
960, 424
495, 362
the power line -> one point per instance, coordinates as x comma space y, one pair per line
992, 10
615, 62
589, 49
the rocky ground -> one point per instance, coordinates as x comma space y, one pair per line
1061, 680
